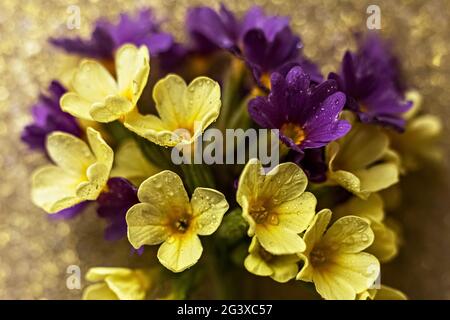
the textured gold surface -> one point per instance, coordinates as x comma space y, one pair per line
35, 251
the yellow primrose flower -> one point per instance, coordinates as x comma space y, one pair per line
418, 143
185, 111
262, 263
276, 206
166, 216
118, 284
386, 242
96, 95
131, 164
383, 293
334, 260
80, 171
361, 161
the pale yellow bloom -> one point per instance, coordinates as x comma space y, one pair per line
276, 206
185, 111
280, 268
118, 284
131, 164
167, 216
96, 95
80, 171
385, 245
383, 293
362, 161
333, 259
419, 143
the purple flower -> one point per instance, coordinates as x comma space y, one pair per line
143, 29
307, 116
48, 117
210, 30
113, 205
312, 162
266, 43
371, 82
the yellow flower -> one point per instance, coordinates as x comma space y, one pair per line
117, 284
184, 111
418, 144
96, 95
262, 263
166, 216
383, 293
334, 260
362, 162
276, 206
131, 164
80, 171
385, 245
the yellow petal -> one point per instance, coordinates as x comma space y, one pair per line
110, 109
129, 287
180, 252
296, 215
132, 68
102, 152
317, 228
348, 181
378, 177
54, 189
349, 234
284, 268
306, 272
97, 176
131, 164
278, 240
100, 273
331, 287
151, 128
99, 291
165, 191
385, 245
75, 105
388, 293
358, 270
146, 225
208, 208
69, 152
93, 82
372, 208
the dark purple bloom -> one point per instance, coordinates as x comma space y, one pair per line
266, 43
71, 212
370, 80
48, 117
312, 162
114, 204
210, 30
307, 116
142, 29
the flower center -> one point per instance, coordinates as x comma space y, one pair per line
259, 213
294, 132
317, 257
181, 225
265, 80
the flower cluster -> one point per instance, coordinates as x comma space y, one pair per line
319, 215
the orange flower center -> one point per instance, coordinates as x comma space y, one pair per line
294, 132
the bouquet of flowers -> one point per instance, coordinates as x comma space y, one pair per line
230, 152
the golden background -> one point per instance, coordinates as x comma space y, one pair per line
35, 251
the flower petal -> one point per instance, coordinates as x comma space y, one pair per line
75, 105
146, 225
165, 191
99, 291
112, 108
297, 214
69, 152
316, 229
208, 208
378, 177
180, 252
100, 273
349, 234
278, 240
53, 189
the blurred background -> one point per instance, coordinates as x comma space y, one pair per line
35, 250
